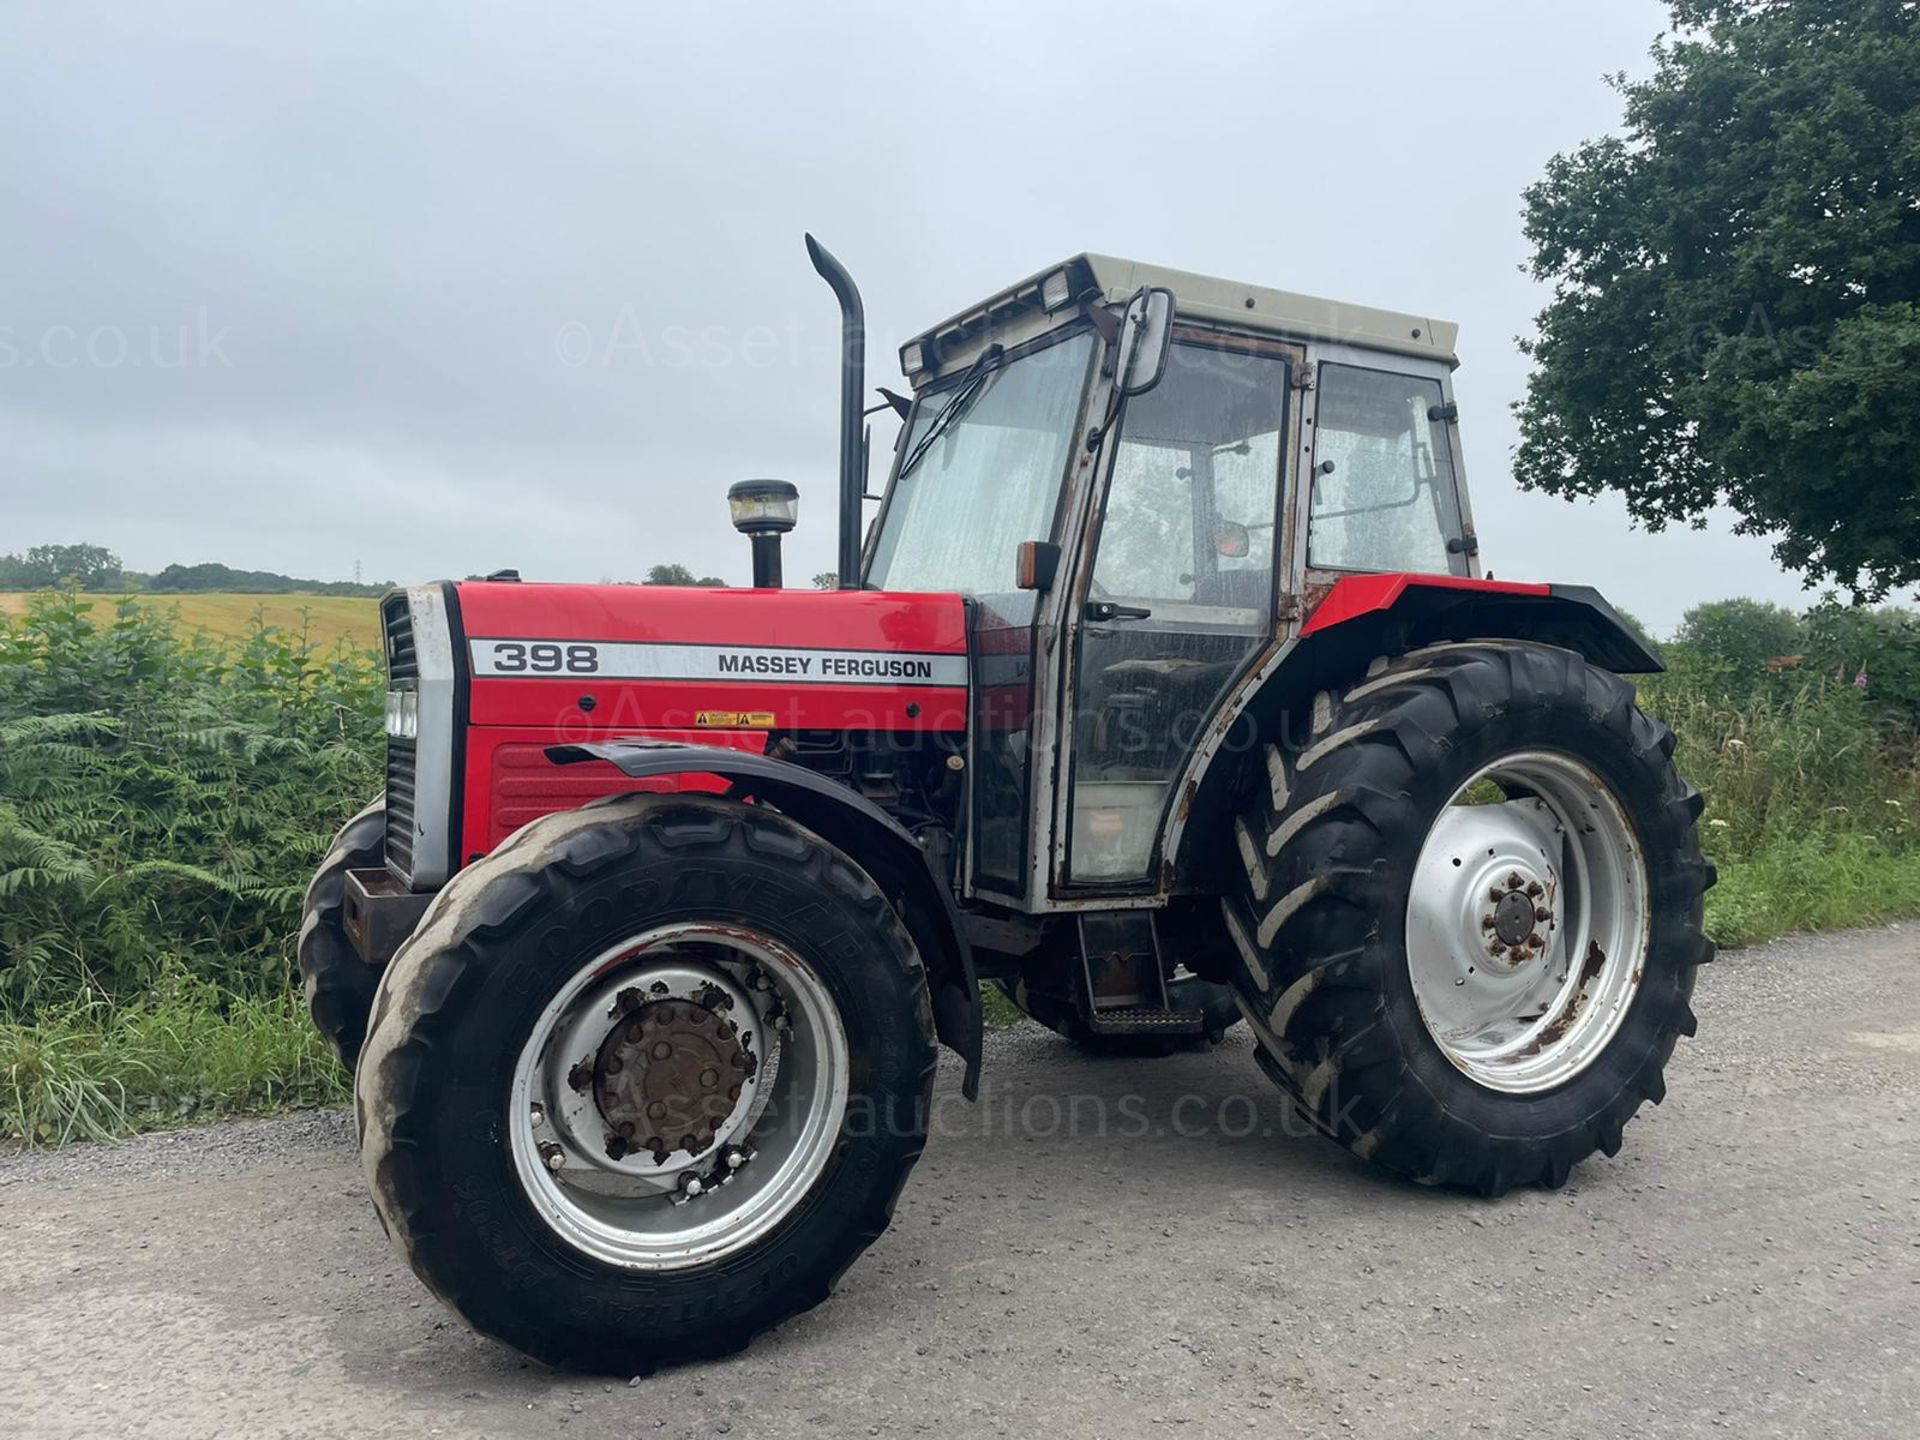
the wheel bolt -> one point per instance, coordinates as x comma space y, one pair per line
538, 1116
1542, 913
1514, 882
691, 1185
662, 1050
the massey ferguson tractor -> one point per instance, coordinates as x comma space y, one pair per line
1164, 690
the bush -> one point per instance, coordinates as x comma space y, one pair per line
163, 801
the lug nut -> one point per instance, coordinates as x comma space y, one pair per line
538, 1116
553, 1155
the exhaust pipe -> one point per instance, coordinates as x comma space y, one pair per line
853, 386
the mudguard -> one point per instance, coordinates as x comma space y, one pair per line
1453, 607
878, 843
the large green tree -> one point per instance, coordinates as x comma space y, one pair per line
1736, 288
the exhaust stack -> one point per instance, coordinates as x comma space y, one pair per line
853, 385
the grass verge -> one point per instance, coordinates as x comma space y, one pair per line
181, 1055
1830, 881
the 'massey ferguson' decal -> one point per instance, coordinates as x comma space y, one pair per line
613, 660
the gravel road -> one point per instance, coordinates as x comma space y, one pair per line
1103, 1248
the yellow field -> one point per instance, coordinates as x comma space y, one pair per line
327, 617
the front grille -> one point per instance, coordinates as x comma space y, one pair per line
403, 662
403, 668
400, 806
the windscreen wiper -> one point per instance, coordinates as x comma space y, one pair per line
969, 389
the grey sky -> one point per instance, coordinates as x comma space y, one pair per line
291, 287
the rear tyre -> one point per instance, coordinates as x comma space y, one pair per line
1470, 916
338, 983
645, 1081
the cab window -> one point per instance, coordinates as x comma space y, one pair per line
1384, 494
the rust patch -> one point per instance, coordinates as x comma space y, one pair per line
1590, 967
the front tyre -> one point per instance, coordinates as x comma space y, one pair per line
646, 1081
1471, 914
339, 985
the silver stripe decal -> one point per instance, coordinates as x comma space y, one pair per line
577, 660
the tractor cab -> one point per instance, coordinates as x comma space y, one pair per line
1141, 479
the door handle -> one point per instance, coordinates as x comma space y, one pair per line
1108, 610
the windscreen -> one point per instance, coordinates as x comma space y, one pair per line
990, 478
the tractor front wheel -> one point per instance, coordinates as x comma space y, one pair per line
646, 1080
1471, 914
339, 985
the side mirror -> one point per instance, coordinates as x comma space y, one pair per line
1146, 339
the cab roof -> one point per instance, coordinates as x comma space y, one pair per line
1216, 302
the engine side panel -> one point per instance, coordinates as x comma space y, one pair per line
546, 665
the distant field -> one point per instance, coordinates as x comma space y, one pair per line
327, 617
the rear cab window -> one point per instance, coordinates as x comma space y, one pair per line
1385, 495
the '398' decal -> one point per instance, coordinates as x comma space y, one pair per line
542, 657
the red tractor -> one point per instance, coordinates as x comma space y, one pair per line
1165, 690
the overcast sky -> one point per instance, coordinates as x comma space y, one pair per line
436, 290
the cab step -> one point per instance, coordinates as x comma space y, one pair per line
1146, 1020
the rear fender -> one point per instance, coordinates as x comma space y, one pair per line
876, 841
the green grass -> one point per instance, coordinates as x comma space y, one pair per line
1832, 881
185, 1054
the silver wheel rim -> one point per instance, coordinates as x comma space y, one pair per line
1527, 922
710, 995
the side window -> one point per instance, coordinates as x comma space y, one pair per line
1190, 510
1384, 492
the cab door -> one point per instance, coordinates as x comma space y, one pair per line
1179, 596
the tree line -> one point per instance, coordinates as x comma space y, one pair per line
97, 570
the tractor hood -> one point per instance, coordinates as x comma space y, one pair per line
621, 659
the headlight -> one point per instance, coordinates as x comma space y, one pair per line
403, 714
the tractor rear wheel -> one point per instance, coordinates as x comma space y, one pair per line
338, 983
1471, 914
646, 1080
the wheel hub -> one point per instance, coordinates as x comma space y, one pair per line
1504, 893
724, 1052
1513, 917
670, 1075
